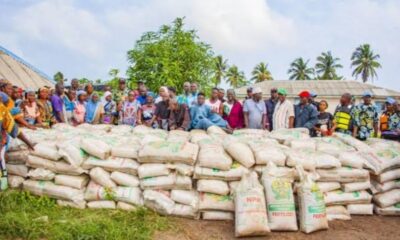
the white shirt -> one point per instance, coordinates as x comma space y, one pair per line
283, 111
215, 106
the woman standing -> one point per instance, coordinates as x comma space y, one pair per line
128, 114
45, 109
325, 121
233, 111
30, 109
110, 108
69, 105
80, 108
94, 110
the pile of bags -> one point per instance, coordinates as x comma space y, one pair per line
265, 181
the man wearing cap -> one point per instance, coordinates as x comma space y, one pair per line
314, 103
306, 116
270, 105
343, 122
255, 112
121, 93
283, 116
390, 120
365, 118
249, 92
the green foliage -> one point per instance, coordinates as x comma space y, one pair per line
170, 57
24, 216
59, 77
365, 62
235, 77
326, 67
221, 65
299, 70
84, 81
261, 73
114, 81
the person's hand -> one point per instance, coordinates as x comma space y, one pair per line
31, 127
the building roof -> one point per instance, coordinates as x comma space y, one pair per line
21, 73
326, 88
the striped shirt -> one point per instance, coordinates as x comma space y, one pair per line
283, 111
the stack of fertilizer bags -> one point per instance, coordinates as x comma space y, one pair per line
165, 174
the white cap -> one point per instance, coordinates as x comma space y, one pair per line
257, 90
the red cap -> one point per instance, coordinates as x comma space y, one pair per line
305, 94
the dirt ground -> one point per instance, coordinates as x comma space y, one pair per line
360, 227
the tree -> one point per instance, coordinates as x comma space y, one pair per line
299, 70
83, 81
235, 77
59, 77
170, 57
365, 62
220, 69
326, 67
114, 74
261, 73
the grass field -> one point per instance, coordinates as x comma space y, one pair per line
26, 216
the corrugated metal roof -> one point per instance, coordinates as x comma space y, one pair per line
327, 88
21, 73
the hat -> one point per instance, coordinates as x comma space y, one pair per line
282, 91
80, 92
250, 89
390, 100
257, 90
305, 94
313, 94
106, 94
367, 94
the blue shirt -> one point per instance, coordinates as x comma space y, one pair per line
305, 116
141, 99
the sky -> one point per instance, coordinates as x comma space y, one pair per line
88, 38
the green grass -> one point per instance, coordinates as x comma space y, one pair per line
26, 216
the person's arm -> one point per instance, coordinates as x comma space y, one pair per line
291, 122
221, 109
264, 121
171, 120
23, 138
376, 124
186, 120
313, 119
246, 119
139, 121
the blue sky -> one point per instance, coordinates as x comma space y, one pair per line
88, 38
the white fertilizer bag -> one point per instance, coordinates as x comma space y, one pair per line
389, 175
78, 182
48, 151
312, 210
339, 197
18, 157
386, 186
153, 170
159, 202
279, 196
64, 203
217, 216
326, 161
267, 151
213, 155
216, 130
56, 167
101, 177
185, 197
169, 152
126, 150
356, 186
235, 173
41, 174
388, 211
301, 157
124, 179
213, 186
381, 161
126, 206
46, 188
186, 211
328, 186
15, 181
351, 159
132, 195
309, 144
101, 204
72, 155
337, 213
241, 153
19, 170
387, 199
96, 148
182, 169
343, 175
210, 201
124, 165
361, 209
348, 139
250, 211
160, 182
183, 182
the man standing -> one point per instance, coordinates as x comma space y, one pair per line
214, 102
283, 116
202, 116
249, 92
255, 112
121, 93
270, 105
342, 117
57, 103
390, 120
314, 103
306, 116
183, 98
365, 118
75, 85
192, 97
142, 95
221, 95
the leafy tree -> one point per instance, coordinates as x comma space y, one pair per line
365, 62
261, 73
171, 56
114, 74
83, 81
235, 77
299, 70
221, 65
59, 77
326, 66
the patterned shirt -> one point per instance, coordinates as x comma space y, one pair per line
282, 113
365, 117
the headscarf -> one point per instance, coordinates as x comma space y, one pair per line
91, 109
106, 94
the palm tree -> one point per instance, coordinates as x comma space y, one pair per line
59, 77
299, 70
261, 73
235, 77
326, 66
365, 62
220, 69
